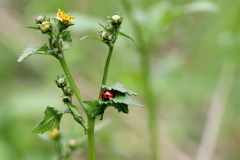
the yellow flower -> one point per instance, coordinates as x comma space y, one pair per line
66, 18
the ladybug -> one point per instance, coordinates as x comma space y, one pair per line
106, 95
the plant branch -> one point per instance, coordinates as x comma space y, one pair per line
71, 82
68, 73
105, 74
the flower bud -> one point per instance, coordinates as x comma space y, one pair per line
66, 99
116, 17
54, 134
109, 28
39, 19
103, 34
61, 82
72, 143
116, 20
68, 91
46, 27
110, 37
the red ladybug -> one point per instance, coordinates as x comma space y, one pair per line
106, 95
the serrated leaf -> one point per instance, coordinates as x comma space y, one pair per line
51, 120
34, 49
95, 109
121, 98
88, 37
119, 87
124, 35
30, 50
65, 40
121, 107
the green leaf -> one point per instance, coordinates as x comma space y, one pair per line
77, 115
123, 98
121, 107
95, 109
34, 49
51, 120
37, 28
65, 40
119, 87
124, 35
102, 25
88, 37
30, 50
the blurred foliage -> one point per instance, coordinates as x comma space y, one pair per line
187, 62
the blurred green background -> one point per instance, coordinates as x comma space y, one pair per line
194, 73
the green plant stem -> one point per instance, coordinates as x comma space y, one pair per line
104, 79
91, 139
151, 105
71, 82
91, 121
67, 72
62, 155
144, 49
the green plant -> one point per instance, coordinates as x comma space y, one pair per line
59, 39
149, 25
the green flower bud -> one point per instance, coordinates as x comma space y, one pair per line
68, 91
39, 19
61, 82
103, 34
66, 99
116, 17
116, 20
109, 28
46, 27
